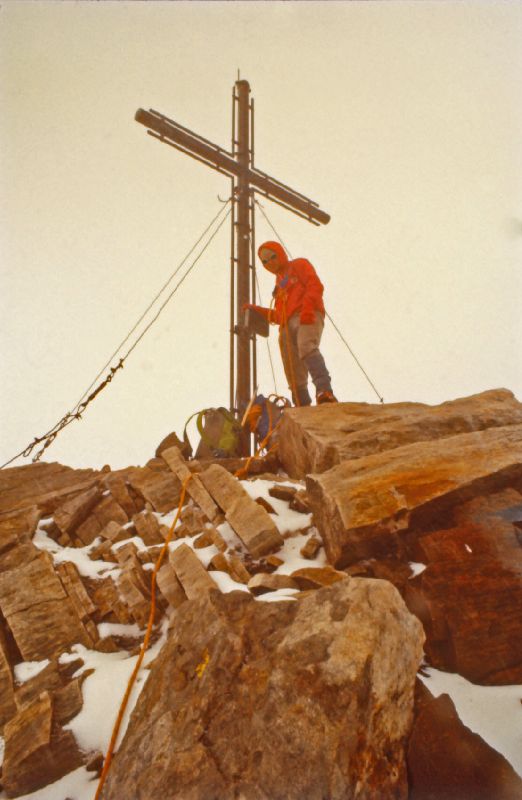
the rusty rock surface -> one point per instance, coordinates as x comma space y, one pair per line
314, 439
363, 507
277, 701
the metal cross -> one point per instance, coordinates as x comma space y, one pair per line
238, 165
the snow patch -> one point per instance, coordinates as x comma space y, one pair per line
29, 669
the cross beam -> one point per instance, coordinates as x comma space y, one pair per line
238, 166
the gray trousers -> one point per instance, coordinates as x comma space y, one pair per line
299, 345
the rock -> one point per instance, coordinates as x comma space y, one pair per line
203, 540
161, 489
469, 597
113, 533
148, 528
315, 577
7, 696
251, 522
264, 582
282, 492
121, 492
70, 514
301, 502
37, 749
42, 619
238, 571
75, 590
107, 510
320, 704
110, 607
169, 586
446, 761
190, 572
173, 440
195, 488
16, 528
42, 485
314, 439
363, 507
311, 547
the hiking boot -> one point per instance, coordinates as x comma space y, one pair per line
325, 397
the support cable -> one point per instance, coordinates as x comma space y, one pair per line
49, 437
381, 399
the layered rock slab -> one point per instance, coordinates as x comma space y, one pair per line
314, 439
292, 700
363, 507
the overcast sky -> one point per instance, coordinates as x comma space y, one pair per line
402, 120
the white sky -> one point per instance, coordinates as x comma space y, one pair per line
402, 119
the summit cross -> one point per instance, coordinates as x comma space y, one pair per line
238, 165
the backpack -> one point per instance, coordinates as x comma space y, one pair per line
264, 416
220, 433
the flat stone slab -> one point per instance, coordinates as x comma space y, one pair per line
190, 572
314, 439
361, 507
195, 488
252, 523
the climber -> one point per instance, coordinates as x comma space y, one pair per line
299, 311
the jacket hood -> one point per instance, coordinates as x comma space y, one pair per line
277, 248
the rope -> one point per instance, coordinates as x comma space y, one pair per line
80, 407
144, 646
381, 399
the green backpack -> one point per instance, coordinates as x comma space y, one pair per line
220, 433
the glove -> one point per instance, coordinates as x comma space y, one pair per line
246, 306
307, 317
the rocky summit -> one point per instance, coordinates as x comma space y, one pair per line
304, 605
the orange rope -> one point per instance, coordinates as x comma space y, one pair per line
144, 646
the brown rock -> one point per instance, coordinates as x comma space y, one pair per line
17, 528
203, 540
148, 528
311, 547
42, 485
37, 750
195, 488
70, 514
314, 439
173, 440
7, 696
114, 533
361, 507
160, 489
47, 680
190, 572
219, 562
121, 492
316, 577
67, 702
330, 679
264, 582
469, 597
42, 618
446, 761
169, 586
238, 571
282, 492
265, 504
107, 510
301, 502
110, 607
251, 522
75, 590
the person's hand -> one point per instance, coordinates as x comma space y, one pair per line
307, 318
246, 306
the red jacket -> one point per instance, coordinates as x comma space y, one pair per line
298, 289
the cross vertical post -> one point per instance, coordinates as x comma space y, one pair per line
243, 249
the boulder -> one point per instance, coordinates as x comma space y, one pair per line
300, 699
40, 615
43, 485
469, 597
364, 507
314, 439
447, 761
37, 749
195, 488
